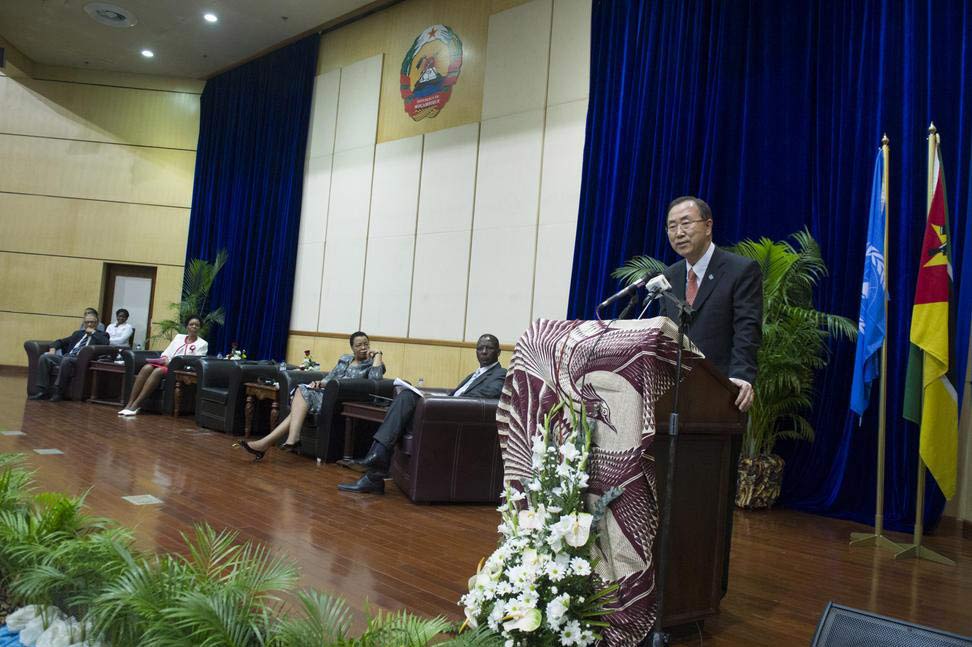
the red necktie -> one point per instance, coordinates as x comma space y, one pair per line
692, 289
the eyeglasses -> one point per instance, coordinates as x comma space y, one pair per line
684, 225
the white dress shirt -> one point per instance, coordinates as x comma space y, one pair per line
118, 335
479, 371
700, 267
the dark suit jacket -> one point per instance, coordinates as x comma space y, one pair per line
728, 321
489, 385
66, 344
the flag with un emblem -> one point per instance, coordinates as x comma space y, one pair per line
871, 325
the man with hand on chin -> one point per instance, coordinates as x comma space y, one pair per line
725, 291
70, 346
485, 382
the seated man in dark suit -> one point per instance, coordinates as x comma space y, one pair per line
70, 346
485, 382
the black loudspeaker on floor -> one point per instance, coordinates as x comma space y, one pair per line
845, 627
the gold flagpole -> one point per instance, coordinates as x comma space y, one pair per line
916, 549
877, 538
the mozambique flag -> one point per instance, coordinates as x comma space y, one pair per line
930, 396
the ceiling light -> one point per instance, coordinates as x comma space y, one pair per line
147, 53
210, 17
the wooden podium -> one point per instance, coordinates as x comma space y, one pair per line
710, 436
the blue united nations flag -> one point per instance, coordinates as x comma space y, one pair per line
871, 325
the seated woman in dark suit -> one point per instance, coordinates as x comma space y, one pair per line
361, 363
150, 376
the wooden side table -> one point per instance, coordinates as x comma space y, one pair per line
187, 378
256, 391
108, 369
352, 412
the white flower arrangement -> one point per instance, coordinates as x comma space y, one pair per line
536, 588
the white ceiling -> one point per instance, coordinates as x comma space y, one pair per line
59, 32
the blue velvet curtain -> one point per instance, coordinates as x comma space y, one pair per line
773, 111
247, 192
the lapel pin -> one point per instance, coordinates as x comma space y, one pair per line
711, 276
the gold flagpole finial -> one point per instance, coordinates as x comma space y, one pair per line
931, 128
884, 140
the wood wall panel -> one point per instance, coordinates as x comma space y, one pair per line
126, 233
168, 290
18, 328
442, 365
118, 79
49, 284
99, 113
96, 171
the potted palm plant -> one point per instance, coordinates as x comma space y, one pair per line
794, 347
196, 285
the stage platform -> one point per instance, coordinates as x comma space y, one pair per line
387, 552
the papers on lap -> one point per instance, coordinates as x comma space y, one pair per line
405, 385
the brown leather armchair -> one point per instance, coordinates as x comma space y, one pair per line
451, 452
78, 389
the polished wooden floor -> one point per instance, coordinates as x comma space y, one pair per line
388, 552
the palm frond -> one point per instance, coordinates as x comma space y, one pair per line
324, 620
638, 268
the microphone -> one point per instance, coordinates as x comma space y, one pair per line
657, 285
626, 292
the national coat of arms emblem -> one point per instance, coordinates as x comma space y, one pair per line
429, 70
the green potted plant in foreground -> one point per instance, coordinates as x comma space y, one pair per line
794, 347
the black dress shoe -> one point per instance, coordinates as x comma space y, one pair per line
257, 454
368, 484
56, 396
377, 459
40, 395
287, 447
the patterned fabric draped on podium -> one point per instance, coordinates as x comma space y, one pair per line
618, 372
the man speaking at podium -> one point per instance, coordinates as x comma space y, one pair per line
725, 291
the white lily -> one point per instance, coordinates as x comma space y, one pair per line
525, 620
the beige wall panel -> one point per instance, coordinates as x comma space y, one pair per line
323, 121
307, 286
439, 365
357, 111
555, 259
500, 282
391, 33
395, 190
15, 329
387, 286
468, 362
448, 180
314, 200
296, 345
438, 308
516, 60
99, 113
570, 51
96, 171
120, 79
350, 197
342, 282
168, 290
508, 176
15, 64
49, 284
563, 163
126, 233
